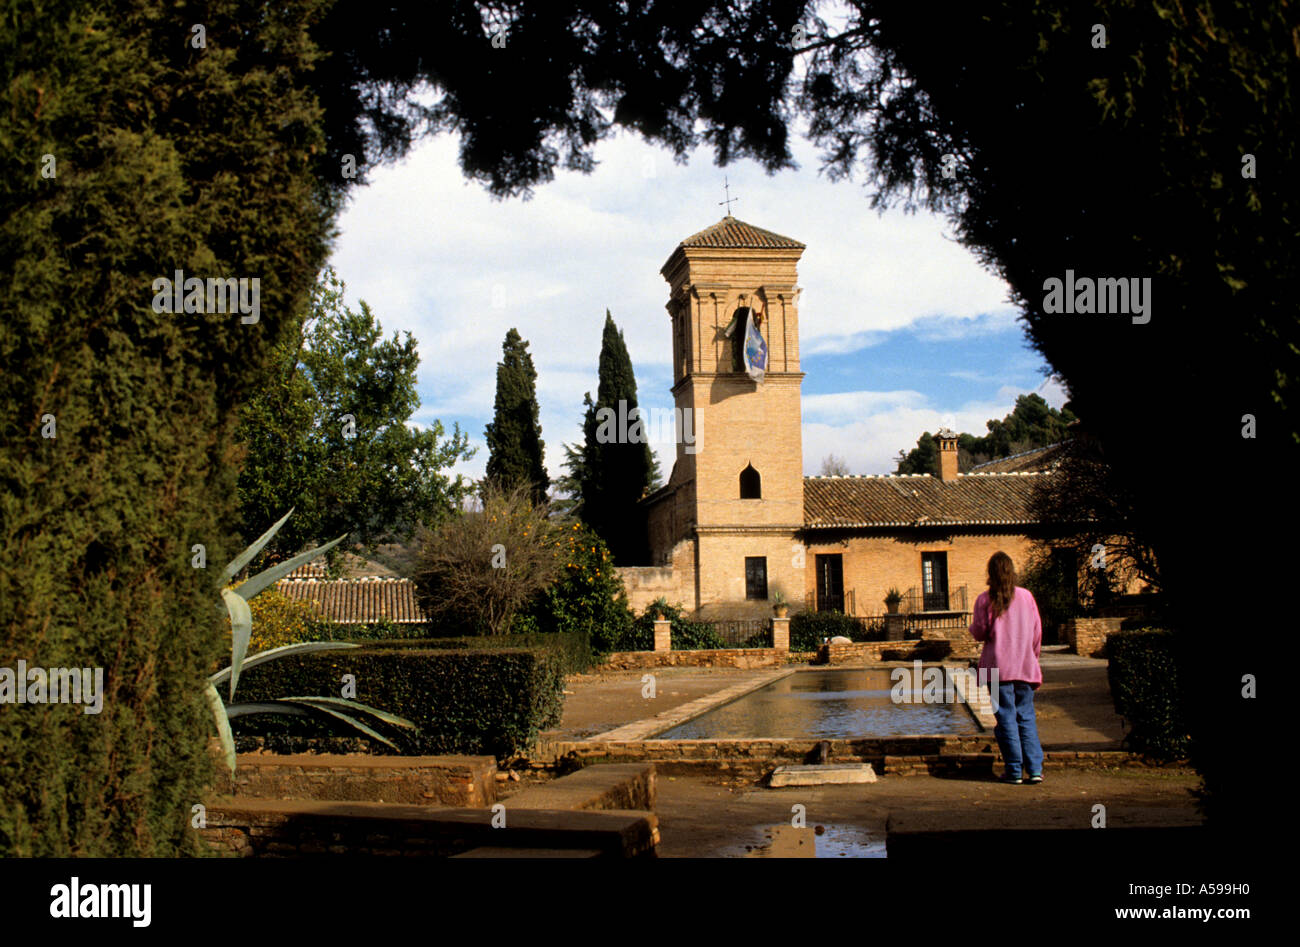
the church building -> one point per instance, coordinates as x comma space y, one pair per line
737, 521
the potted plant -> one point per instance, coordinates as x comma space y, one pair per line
780, 607
659, 609
892, 598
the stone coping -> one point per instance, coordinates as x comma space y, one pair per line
642, 729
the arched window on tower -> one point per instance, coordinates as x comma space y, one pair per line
751, 484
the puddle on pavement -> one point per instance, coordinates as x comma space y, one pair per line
835, 841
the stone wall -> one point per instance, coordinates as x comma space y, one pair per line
413, 780
716, 658
1087, 636
296, 828
928, 649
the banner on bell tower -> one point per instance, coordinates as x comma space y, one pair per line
754, 351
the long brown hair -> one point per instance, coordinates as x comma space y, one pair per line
1002, 583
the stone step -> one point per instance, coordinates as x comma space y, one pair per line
823, 774
601, 786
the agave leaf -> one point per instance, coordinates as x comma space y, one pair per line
303, 647
277, 572
223, 724
351, 721
245, 557
383, 715
241, 629
249, 707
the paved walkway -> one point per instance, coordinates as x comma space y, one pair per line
716, 817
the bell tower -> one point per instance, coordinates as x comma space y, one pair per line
738, 489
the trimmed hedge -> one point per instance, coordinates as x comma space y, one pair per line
571, 648
1144, 684
808, 629
480, 701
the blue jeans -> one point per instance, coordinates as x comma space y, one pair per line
1017, 730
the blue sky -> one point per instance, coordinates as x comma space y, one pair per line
901, 329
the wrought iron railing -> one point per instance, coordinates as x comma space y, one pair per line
738, 632
837, 603
915, 601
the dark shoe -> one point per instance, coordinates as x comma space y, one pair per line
1034, 778
1008, 778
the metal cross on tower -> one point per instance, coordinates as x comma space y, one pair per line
730, 200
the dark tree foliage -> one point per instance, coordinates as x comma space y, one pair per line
614, 468
166, 157
514, 436
1031, 423
561, 78
1100, 509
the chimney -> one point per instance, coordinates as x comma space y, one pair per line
947, 454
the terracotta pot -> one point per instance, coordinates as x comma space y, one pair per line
893, 607
781, 610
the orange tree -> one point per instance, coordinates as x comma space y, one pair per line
588, 595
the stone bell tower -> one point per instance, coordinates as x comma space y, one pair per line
736, 493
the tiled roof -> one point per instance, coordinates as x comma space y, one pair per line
732, 233
357, 601
1039, 458
982, 499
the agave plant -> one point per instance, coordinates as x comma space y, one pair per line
241, 625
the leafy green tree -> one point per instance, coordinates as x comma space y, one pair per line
615, 467
515, 435
129, 153
327, 436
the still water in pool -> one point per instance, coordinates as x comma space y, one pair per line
834, 704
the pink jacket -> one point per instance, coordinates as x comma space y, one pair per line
1012, 643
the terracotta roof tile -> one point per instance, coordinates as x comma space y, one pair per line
732, 233
1039, 458
357, 601
982, 499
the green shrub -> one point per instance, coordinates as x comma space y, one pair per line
480, 701
572, 649
808, 630
1144, 684
279, 620
382, 630
686, 635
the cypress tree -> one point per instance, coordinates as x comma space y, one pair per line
134, 148
616, 471
515, 436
